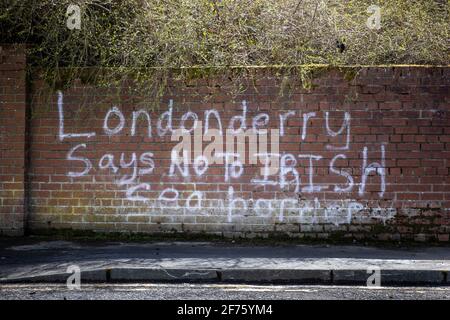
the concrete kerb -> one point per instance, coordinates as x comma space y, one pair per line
392, 277
277, 275
57, 277
163, 275
272, 276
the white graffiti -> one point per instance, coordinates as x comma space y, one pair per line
62, 134
280, 172
345, 126
119, 127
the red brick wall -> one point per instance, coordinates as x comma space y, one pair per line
389, 182
12, 138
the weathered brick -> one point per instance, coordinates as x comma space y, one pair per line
90, 182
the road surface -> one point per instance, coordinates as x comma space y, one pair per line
216, 292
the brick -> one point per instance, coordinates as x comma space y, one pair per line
12, 139
407, 116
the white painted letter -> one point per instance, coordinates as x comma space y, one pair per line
168, 114
311, 188
219, 121
306, 117
288, 163
131, 190
147, 158
283, 118
376, 167
119, 126
332, 133
232, 203
109, 162
341, 173
63, 135
241, 119
260, 120
87, 163
186, 117
136, 115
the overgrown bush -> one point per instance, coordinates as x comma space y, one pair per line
131, 36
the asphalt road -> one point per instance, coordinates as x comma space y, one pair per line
216, 292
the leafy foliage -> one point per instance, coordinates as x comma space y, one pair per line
130, 37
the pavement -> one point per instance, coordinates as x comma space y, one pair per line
218, 292
29, 260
